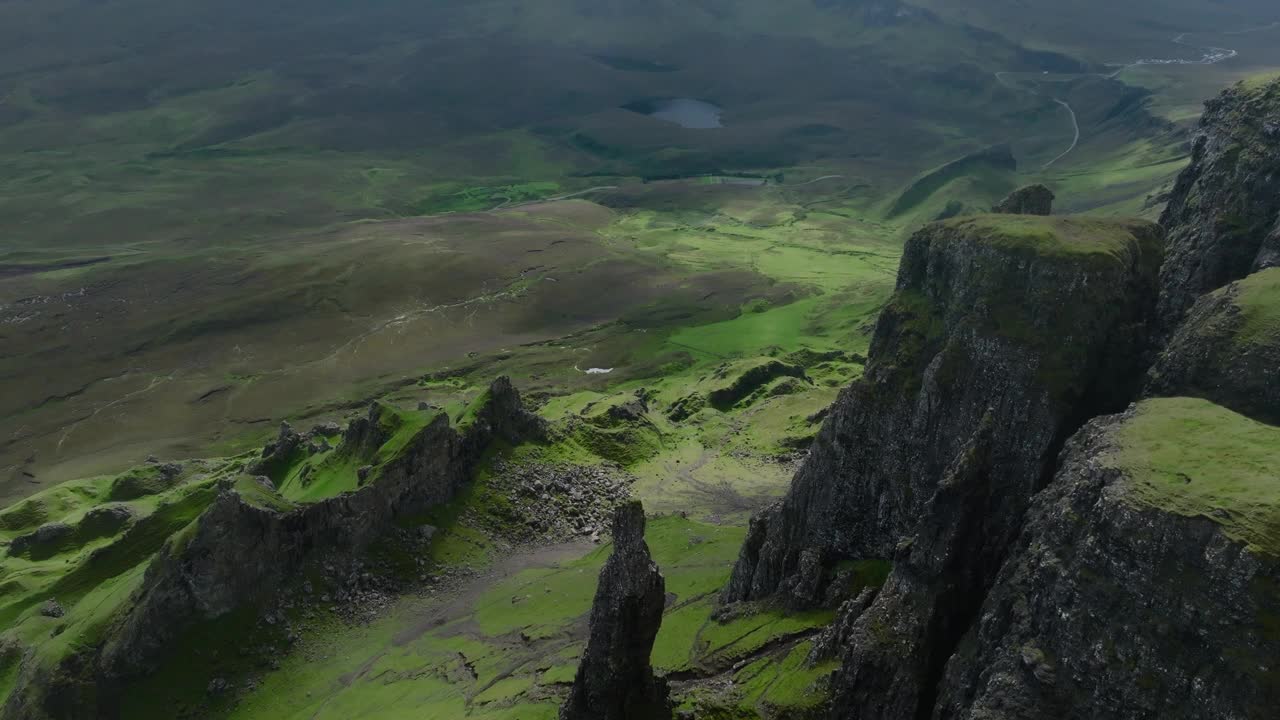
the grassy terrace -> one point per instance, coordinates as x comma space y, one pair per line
1259, 303
1061, 236
1194, 458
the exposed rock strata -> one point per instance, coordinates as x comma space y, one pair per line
1041, 321
1114, 608
1030, 200
615, 680
1223, 216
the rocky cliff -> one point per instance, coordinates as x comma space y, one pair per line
1146, 584
1144, 581
615, 680
1228, 349
1036, 322
1223, 216
251, 541
893, 653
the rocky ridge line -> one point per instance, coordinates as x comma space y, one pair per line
245, 547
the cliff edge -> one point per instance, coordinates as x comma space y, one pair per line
1038, 322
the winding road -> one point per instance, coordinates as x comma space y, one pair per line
1212, 56
507, 205
1075, 124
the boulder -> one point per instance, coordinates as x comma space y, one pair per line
1030, 200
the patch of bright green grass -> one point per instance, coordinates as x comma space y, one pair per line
86, 624
255, 494
1054, 236
505, 689
778, 685
56, 502
746, 634
68, 579
559, 674
786, 683
332, 473
403, 426
1194, 458
788, 327
1259, 302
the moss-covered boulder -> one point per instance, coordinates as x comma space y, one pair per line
1228, 349
1147, 582
1043, 321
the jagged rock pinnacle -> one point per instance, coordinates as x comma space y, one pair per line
615, 680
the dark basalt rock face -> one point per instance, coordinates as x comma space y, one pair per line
1112, 609
1223, 216
1030, 200
615, 680
1037, 322
894, 653
241, 552
1228, 350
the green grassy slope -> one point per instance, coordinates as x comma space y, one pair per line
1191, 457
190, 256
510, 651
1259, 303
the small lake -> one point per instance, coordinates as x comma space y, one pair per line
685, 112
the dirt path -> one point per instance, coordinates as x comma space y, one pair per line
461, 601
1075, 123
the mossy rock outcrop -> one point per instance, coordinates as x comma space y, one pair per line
1030, 200
1146, 583
1228, 349
1043, 321
1223, 216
